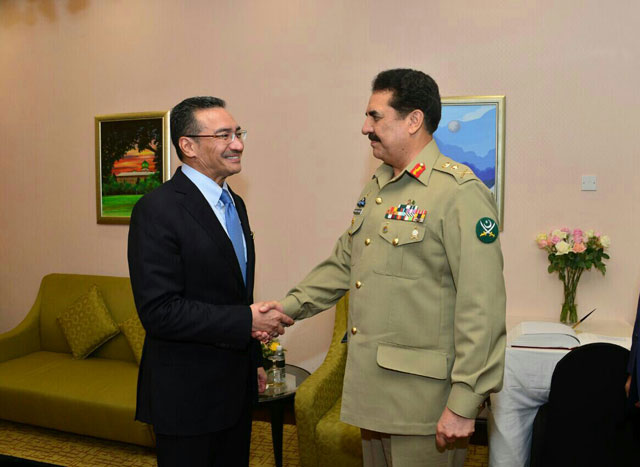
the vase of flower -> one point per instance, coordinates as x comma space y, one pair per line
569, 313
570, 254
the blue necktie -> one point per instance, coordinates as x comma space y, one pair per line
234, 229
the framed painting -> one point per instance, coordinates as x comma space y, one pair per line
132, 158
471, 131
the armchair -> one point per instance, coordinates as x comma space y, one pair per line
322, 438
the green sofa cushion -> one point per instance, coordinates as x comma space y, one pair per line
59, 291
135, 334
95, 396
87, 324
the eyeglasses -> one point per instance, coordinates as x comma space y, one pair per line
227, 137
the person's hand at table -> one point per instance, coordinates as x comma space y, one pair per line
452, 427
262, 380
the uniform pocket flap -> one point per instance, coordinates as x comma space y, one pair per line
400, 233
413, 360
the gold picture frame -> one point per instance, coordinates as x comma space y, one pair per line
132, 158
472, 131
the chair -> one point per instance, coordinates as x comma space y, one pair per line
585, 423
322, 438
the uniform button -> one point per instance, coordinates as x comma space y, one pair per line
378, 200
395, 242
367, 241
354, 331
358, 284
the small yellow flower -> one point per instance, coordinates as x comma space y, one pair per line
273, 346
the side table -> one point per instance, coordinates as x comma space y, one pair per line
276, 399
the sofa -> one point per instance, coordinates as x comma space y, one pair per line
322, 438
43, 384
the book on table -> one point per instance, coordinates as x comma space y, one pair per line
548, 335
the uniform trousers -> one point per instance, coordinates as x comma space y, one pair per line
385, 450
225, 448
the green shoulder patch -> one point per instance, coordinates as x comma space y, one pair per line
487, 230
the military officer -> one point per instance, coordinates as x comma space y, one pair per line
422, 262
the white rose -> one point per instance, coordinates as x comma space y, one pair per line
562, 248
588, 234
605, 241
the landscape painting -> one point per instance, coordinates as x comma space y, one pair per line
471, 131
132, 158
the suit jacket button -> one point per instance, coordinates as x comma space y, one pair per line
354, 331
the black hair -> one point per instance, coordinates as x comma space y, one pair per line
412, 89
183, 120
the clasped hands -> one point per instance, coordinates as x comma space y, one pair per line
269, 320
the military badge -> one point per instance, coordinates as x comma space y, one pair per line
487, 230
406, 212
417, 170
362, 202
357, 211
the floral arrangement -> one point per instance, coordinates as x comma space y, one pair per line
269, 348
571, 252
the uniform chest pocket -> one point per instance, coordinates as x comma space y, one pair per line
402, 252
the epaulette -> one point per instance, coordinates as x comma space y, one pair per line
460, 172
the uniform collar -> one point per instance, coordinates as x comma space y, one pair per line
427, 157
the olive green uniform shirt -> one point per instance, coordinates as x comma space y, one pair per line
427, 299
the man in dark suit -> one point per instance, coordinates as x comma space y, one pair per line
191, 262
632, 386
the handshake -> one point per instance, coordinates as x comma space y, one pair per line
269, 320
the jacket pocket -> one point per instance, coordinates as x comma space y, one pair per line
412, 360
402, 252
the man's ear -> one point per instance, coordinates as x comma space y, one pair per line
416, 120
187, 146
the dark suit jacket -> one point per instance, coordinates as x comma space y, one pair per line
634, 359
199, 361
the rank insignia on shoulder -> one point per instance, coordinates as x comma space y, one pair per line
362, 202
487, 230
406, 212
417, 170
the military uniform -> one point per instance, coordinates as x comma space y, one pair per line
423, 266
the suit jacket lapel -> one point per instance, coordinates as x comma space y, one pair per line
196, 204
248, 238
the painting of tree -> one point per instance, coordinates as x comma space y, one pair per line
132, 159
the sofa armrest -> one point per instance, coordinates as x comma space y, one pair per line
24, 338
315, 397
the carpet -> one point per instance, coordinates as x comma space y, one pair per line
66, 449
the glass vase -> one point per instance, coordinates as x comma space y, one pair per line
569, 313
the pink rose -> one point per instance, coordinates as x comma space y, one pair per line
566, 230
597, 234
577, 233
579, 248
578, 239
555, 240
542, 243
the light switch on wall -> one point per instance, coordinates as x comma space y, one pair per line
589, 183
